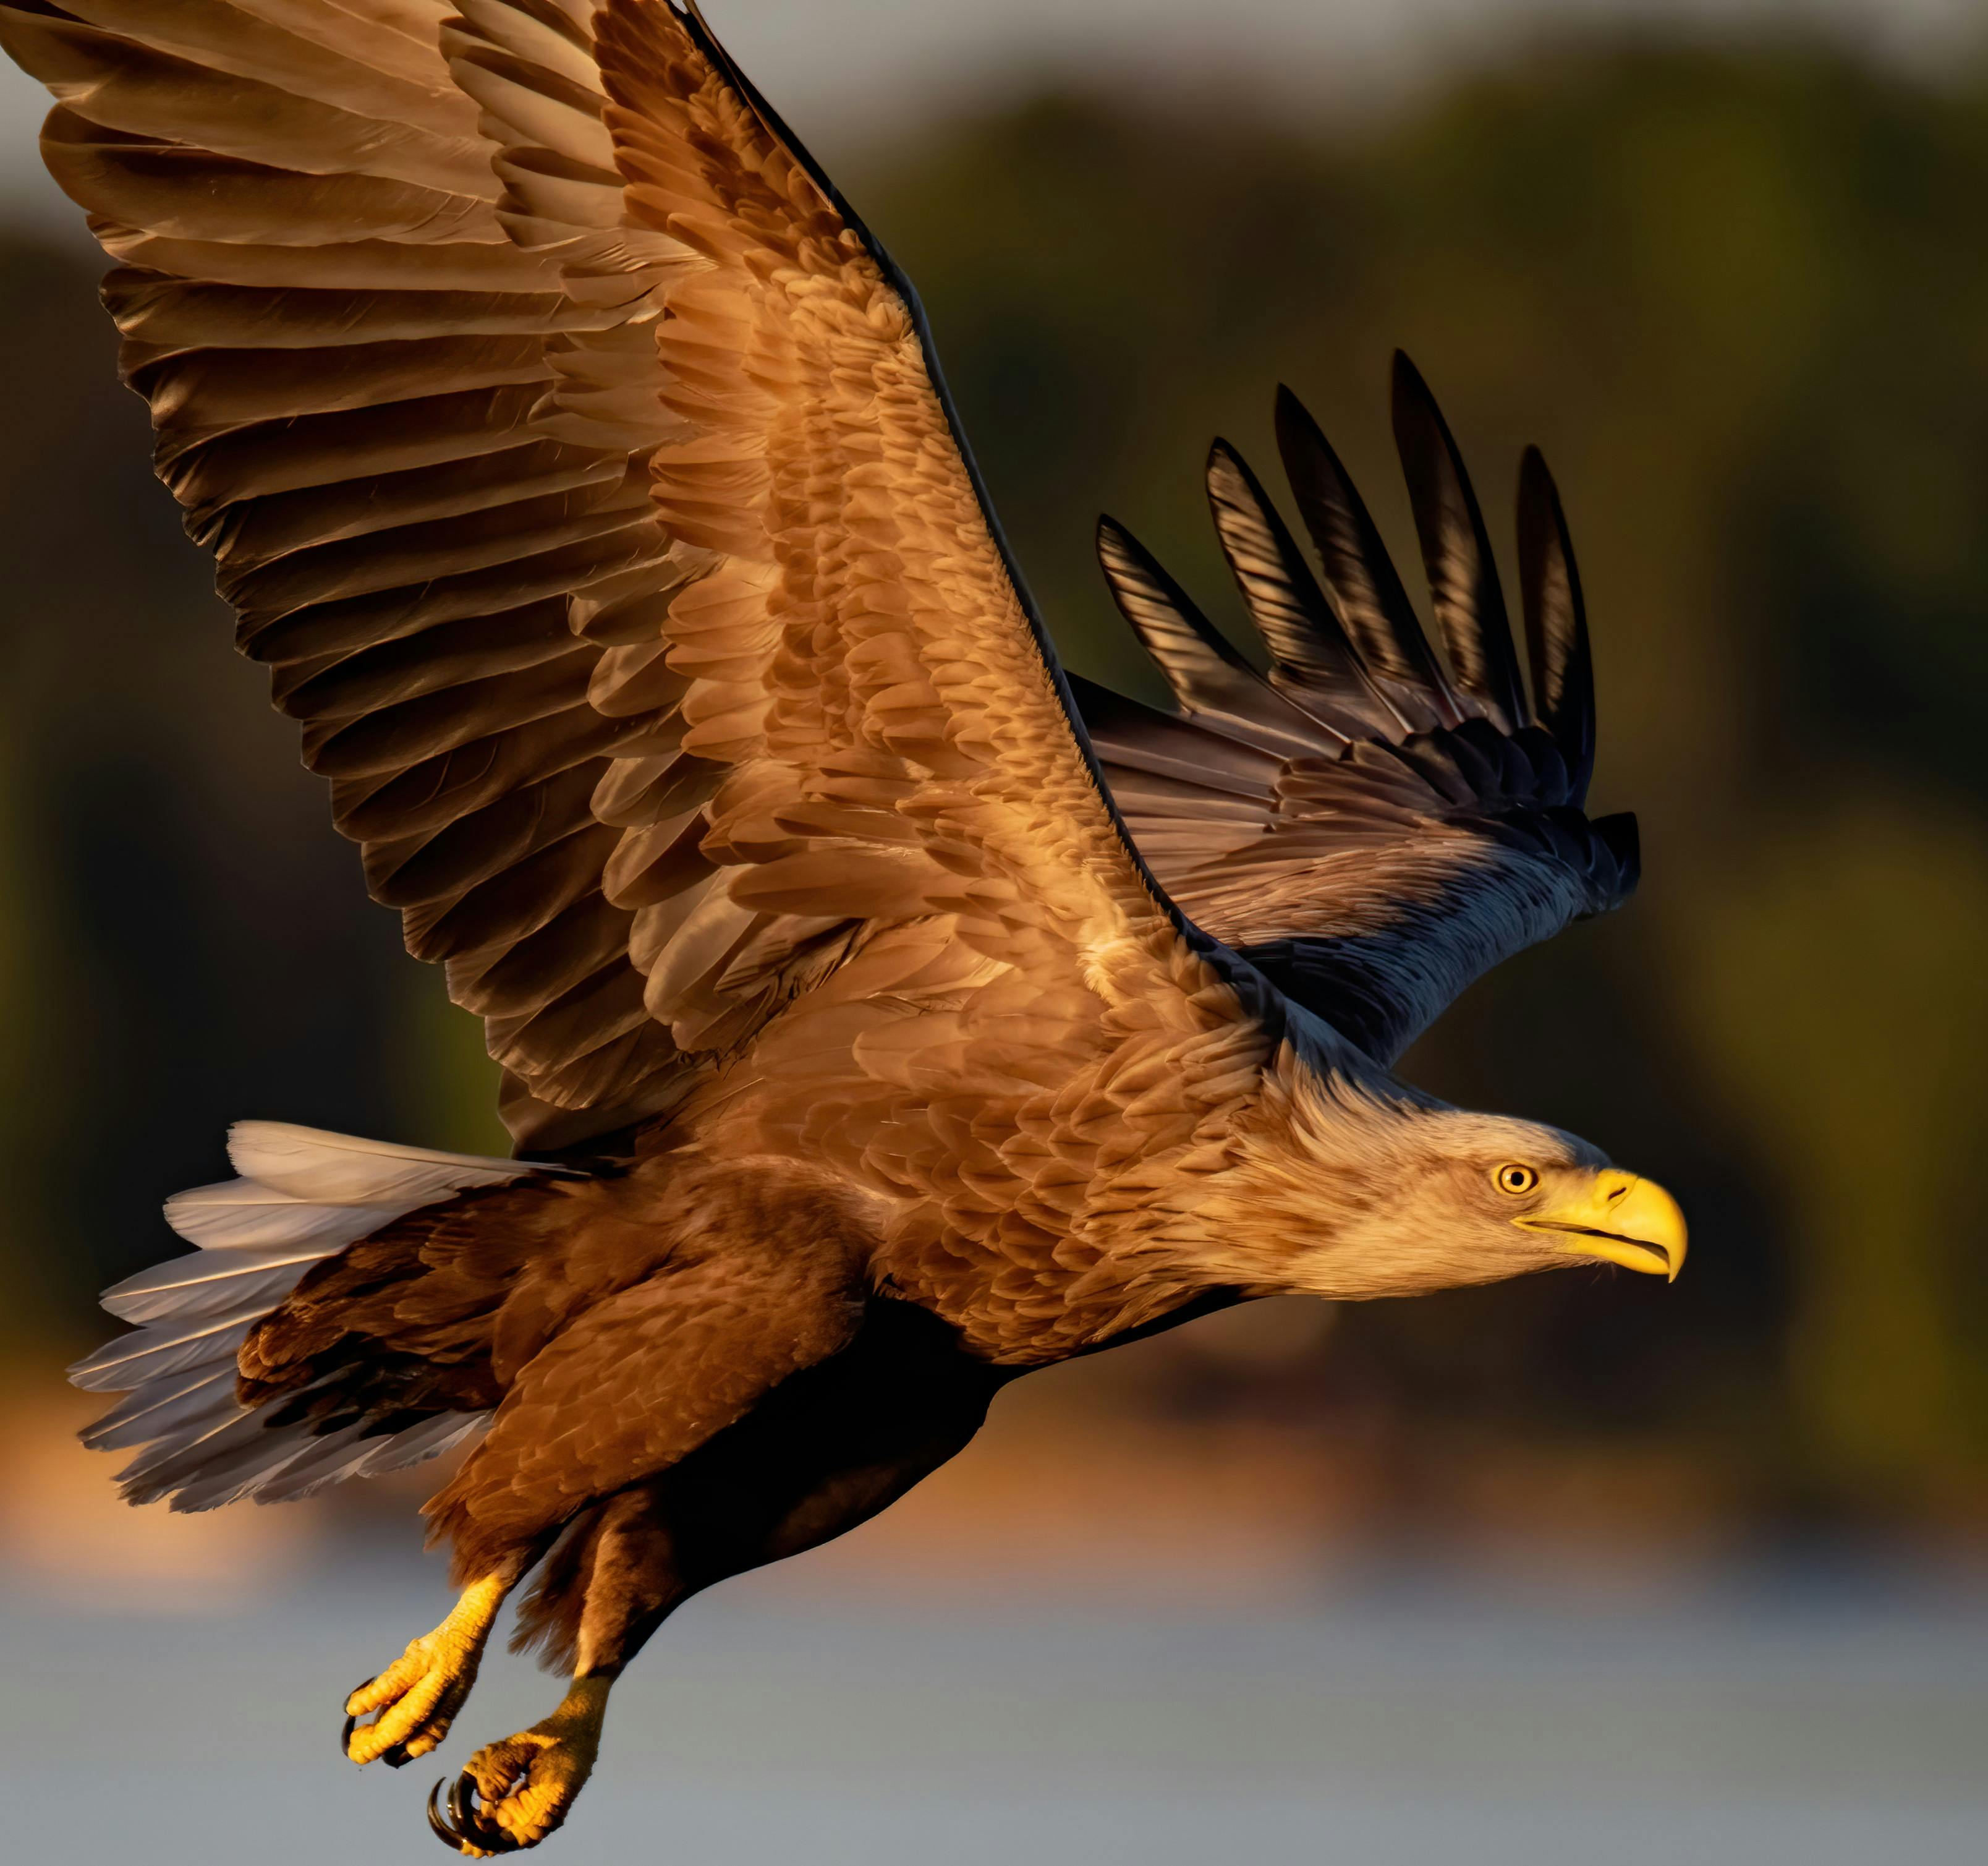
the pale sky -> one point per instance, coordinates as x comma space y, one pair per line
845, 70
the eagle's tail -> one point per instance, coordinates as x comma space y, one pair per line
303, 1195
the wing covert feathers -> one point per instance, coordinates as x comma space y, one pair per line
1371, 827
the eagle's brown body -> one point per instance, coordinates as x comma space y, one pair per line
617, 1322
876, 1025
669, 1314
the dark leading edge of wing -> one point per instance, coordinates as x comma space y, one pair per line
1371, 827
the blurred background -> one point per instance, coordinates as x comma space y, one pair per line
1525, 1572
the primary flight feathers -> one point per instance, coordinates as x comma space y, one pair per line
1371, 832
579, 467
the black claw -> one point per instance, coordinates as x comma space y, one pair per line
351, 1723
397, 1757
437, 1826
464, 1827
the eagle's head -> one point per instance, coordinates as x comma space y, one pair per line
1352, 1187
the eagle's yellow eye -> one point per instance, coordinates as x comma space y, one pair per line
1514, 1177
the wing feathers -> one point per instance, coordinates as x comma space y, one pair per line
344, 49
1311, 658
181, 193
1367, 592
535, 470
1420, 828
166, 316
579, 469
1556, 622
420, 870
125, 85
340, 455
1207, 676
404, 432
526, 895
1456, 551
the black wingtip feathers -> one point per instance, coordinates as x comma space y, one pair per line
1367, 590
1358, 661
1556, 618
1464, 590
1312, 658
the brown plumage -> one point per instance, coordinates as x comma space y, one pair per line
579, 467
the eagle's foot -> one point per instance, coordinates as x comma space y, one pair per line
418, 1695
513, 1793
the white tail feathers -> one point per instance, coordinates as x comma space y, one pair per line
303, 1196
306, 1162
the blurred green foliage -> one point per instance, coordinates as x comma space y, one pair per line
1742, 299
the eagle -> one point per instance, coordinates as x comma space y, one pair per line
882, 1014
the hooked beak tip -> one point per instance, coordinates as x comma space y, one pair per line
1621, 1219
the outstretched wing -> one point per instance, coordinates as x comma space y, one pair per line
1374, 830
580, 469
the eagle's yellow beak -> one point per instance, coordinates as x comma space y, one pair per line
1621, 1220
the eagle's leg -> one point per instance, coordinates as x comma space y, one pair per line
823, 1452
511, 1793
418, 1695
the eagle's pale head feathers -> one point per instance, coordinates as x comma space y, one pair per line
1349, 1186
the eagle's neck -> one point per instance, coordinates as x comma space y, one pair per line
1315, 1179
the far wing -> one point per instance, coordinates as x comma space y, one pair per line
1372, 829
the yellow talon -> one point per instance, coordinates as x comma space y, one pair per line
527, 1784
418, 1695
